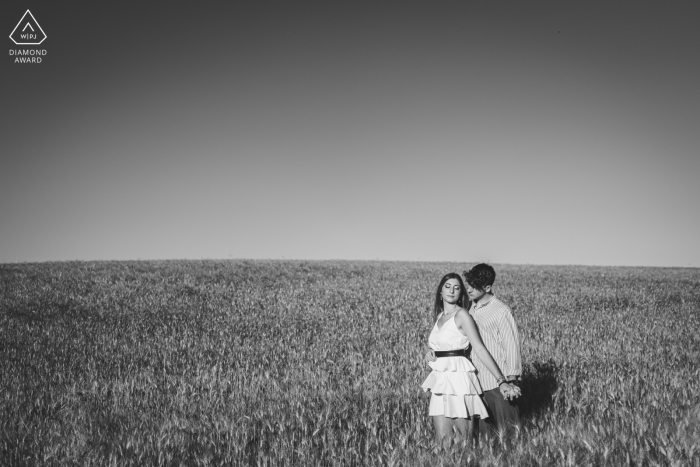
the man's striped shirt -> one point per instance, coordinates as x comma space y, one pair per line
500, 336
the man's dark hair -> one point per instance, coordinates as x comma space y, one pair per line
480, 276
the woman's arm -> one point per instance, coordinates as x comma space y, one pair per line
467, 326
429, 354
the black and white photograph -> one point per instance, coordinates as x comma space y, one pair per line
307, 233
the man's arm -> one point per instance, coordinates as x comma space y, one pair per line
510, 340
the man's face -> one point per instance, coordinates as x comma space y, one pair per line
475, 294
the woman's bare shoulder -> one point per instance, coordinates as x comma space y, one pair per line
463, 317
462, 313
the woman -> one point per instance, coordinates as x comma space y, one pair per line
456, 392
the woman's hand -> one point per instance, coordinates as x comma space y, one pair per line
509, 391
430, 356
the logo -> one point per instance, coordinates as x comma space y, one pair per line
28, 31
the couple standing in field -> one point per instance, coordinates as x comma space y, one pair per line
487, 386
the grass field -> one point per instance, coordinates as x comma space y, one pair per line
320, 363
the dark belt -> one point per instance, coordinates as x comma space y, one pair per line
452, 353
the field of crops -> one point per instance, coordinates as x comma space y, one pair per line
320, 363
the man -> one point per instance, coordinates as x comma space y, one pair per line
500, 336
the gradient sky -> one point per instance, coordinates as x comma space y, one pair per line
511, 132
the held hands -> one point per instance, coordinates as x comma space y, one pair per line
509, 391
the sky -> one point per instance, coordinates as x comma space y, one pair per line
515, 132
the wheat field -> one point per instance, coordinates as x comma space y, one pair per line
320, 363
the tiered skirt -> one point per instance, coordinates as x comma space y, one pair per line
456, 392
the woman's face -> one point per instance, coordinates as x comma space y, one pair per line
451, 291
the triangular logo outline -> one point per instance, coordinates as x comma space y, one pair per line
36, 23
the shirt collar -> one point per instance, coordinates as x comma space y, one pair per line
483, 304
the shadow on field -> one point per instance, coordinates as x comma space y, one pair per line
539, 383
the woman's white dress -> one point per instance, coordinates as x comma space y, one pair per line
456, 392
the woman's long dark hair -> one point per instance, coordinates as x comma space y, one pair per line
463, 300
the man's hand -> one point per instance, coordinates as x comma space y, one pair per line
430, 356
